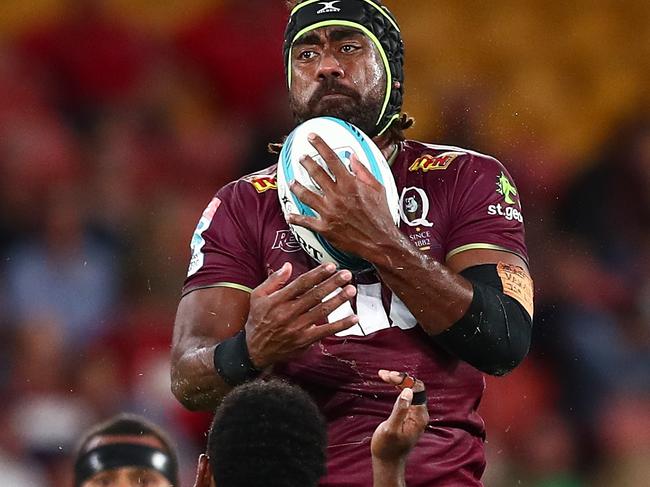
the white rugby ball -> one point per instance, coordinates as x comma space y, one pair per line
345, 139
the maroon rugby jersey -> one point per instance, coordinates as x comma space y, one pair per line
451, 200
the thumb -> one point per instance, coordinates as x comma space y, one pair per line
276, 280
400, 409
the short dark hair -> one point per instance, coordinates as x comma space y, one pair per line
267, 434
126, 424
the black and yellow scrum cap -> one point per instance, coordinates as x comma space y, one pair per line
376, 22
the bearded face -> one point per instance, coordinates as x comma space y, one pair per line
337, 72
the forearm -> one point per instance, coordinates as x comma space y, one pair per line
388, 474
468, 313
195, 382
436, 296
205, 317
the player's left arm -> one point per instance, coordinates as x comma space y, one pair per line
478, 304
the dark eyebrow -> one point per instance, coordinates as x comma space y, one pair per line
335, 35
342, 34
309, 39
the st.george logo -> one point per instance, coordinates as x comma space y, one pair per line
328, 7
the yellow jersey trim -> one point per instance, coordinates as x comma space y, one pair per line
481, 245
230, 285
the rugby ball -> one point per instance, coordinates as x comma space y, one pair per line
345, 139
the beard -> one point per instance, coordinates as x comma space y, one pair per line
360, 112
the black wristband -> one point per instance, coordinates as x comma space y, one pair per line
419, 398
232, 361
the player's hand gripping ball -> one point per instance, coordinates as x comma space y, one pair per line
345, 139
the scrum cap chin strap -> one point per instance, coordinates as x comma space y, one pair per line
376, 22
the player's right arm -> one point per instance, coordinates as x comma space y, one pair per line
234, 320
279, 322
204, 318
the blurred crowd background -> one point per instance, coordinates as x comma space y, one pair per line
119, 119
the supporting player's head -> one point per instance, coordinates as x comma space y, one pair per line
345, 59
267, 434
125, 451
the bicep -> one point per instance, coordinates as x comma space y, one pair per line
208, 316
461, 261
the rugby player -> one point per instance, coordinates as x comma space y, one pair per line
271, 434
125, 451
450, 295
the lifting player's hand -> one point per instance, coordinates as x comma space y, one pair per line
353, 210
394, 438
285, 319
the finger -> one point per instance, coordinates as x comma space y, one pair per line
323, 309
401, 380
400, 410
333, 162
318, 332
362, 172
203, 472
275, 281
318, 174
313, 200
419, 414
309, 222
315, 296
395, 378
304, 282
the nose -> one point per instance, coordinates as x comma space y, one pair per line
329, 67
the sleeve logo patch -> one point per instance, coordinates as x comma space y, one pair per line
197, 243
264, 183
428, 162
506, 189
517, 284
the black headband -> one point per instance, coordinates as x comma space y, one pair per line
372, 19
119, 455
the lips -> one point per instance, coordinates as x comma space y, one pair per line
334, 95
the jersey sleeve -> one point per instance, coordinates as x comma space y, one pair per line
222, 245
485, 209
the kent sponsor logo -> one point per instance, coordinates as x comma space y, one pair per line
314, 252
264, 183
428, 162
509, 212
285, 241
